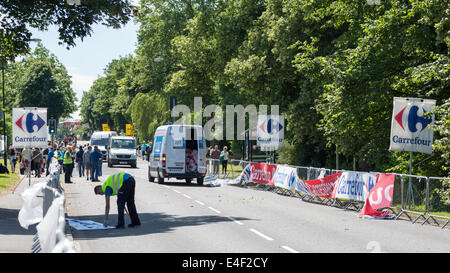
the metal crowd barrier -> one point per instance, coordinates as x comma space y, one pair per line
53, 192
415, 197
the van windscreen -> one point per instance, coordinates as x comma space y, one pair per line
123, 144
99, 142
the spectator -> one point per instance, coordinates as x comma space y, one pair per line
12, 158
36, 162
215, 154
95, 157
87, 162
224, 159
49, 160
79, 161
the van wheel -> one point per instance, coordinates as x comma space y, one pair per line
150, 178
160, 180
200, 181
188, 180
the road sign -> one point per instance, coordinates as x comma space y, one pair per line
105, 127
129, 129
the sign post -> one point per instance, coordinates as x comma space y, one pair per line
410, 131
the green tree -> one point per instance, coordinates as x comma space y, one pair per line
73, 21
40, 80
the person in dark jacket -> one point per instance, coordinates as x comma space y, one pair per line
79, 161
95, 158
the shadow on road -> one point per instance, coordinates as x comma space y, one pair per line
150, 223
9, 223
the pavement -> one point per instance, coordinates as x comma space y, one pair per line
13, 237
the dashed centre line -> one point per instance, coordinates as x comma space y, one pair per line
201, 203
262, 235
187, 196
213, 209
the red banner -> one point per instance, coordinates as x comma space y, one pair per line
262, 173
380, 196
322, 187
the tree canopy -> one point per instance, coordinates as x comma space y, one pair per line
72, 21
333, 67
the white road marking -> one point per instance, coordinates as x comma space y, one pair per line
176, 191
261, 234
213, 209
187, 196
201, 203
290, 249
234, 220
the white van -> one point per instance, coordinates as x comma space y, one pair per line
121, 150
101, 139
179, 151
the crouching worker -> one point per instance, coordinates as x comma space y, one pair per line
122, 185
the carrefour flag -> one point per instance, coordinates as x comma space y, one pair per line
29, 127
411, 129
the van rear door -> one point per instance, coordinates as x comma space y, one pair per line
201, 150
176, 148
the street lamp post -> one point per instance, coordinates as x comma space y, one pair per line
4, 115
5, 144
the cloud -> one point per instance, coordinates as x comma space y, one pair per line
81, 83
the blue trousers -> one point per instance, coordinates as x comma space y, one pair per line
94, 172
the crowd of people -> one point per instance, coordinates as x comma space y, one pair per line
36, 161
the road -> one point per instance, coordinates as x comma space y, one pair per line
177, 217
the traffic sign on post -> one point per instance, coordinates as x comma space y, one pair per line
129, 130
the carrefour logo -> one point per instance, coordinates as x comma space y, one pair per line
412, 119
271, 126
30, 124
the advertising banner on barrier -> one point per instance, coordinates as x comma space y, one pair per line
354, 185
285, 177
262, 173
380, 196
322, 187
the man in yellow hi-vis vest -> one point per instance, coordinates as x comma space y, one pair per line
123, 185
68, 165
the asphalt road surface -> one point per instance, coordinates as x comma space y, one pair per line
177, 217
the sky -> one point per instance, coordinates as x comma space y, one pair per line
86, 61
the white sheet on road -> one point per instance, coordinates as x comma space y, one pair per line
86, 225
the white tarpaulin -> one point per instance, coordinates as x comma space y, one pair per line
29, 127
410, 130
31, 211
86, 225
47, 227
